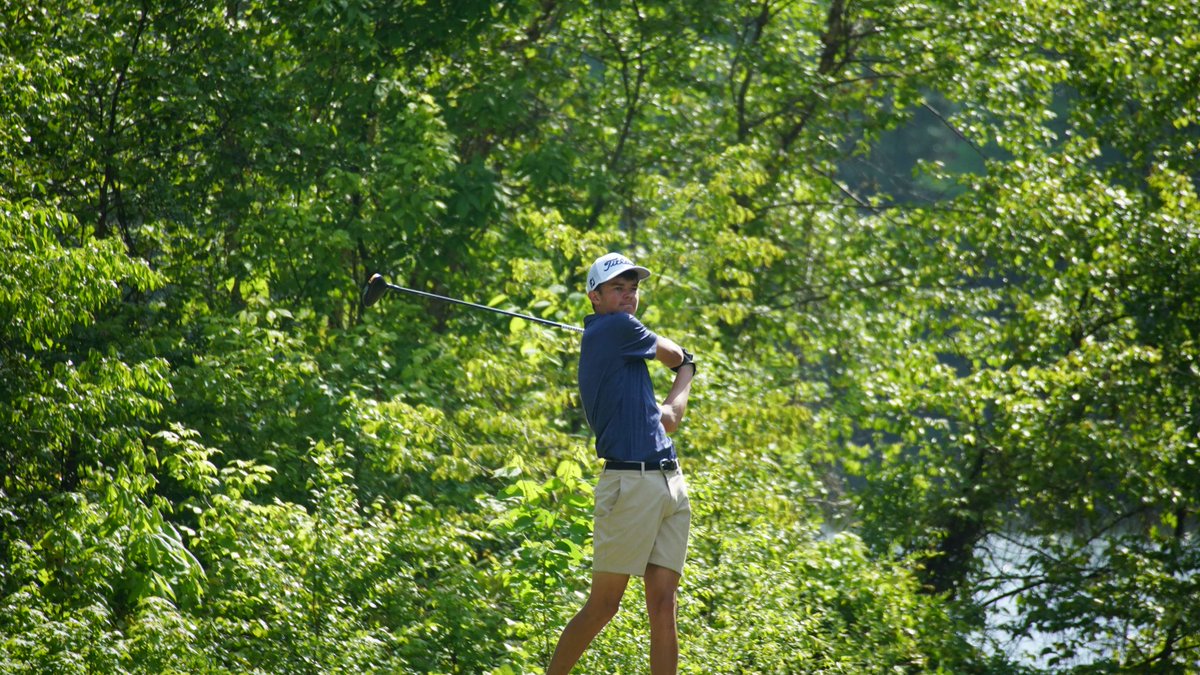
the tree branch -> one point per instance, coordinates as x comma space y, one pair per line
756, 26
111, 133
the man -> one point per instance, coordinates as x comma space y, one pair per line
642, 514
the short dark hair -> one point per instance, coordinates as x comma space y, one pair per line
627, 275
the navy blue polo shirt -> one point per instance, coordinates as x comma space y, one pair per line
614, 385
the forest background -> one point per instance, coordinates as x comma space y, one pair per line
938, 261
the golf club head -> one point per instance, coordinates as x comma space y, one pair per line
376, 287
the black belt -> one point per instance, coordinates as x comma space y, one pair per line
662, 465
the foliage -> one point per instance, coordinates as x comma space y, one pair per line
937, 261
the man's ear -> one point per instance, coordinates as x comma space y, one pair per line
594, 296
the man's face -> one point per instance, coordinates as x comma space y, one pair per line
617, 295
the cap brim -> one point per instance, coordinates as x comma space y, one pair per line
615, 272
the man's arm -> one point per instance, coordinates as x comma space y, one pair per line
675, 405
676, 402
668, 353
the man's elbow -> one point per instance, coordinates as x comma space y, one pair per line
669, 353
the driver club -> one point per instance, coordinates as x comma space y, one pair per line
377, 286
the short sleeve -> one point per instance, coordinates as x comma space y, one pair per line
634, 340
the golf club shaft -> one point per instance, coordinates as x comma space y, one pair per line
432, 296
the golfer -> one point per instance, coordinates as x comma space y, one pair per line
642, 514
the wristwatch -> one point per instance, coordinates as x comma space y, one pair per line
687, 359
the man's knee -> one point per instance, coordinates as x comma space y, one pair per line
602, 608
662, 607
662, 586
605, 597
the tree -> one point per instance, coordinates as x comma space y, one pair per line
1046, 420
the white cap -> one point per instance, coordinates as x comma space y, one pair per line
610, 265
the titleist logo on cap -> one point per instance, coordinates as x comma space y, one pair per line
616, 261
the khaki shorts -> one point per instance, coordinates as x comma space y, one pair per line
642, 518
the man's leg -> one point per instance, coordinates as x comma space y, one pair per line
661, 586
601, 606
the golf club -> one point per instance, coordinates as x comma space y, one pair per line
377, 285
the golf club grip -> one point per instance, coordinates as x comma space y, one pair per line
433, 296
